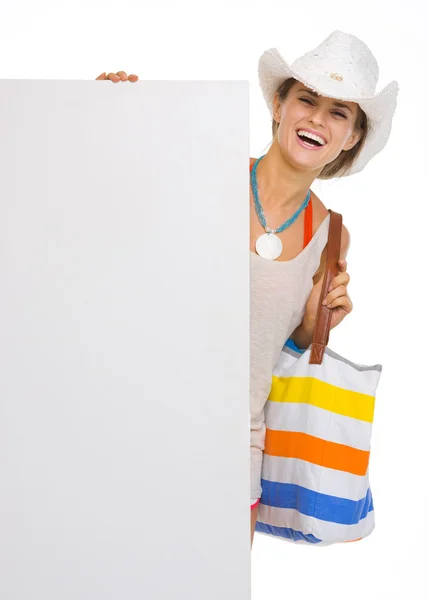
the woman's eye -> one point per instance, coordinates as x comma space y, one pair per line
335, 112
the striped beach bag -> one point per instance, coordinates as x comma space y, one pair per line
315, 469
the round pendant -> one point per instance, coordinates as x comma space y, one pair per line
268, 245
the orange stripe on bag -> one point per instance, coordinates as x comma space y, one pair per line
294, 444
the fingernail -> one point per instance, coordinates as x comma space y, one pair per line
330, 288
324, 302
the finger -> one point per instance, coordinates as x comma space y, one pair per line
122, 75
341, 279
113, 77
341, 290
133, 78
342, 264
343, 301
102, 76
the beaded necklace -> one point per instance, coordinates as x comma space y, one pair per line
269, 245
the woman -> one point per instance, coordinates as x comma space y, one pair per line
327, 122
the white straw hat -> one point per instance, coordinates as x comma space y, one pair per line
341, 67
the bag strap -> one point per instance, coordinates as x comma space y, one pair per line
323, 317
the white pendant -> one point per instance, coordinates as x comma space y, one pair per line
268, 245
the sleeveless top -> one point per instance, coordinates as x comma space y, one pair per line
279, 291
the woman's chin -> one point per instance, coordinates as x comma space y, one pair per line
305, 162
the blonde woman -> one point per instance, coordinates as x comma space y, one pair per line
327, 121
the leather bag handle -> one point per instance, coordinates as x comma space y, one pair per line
323, 317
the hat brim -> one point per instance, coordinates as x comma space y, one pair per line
273, 69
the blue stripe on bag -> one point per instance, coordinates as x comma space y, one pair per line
291, 344
286, 532
315, 504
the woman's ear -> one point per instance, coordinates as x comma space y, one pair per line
276, 108
353, 140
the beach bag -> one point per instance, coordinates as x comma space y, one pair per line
318, 416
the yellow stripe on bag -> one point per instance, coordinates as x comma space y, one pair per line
323, 395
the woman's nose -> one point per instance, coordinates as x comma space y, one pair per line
318, 116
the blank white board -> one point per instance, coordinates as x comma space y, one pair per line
124, 352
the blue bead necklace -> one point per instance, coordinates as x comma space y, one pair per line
268, 245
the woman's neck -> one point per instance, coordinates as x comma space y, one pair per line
280, 185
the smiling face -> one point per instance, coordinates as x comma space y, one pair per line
329, 122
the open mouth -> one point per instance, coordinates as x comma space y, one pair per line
308, 140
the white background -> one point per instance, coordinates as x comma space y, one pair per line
384, 208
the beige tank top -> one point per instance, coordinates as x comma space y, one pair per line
278, 295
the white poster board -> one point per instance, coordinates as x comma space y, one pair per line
124, 325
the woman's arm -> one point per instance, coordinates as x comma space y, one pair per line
303, 334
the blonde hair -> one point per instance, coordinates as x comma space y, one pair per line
344, 161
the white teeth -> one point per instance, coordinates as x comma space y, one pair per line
312, 136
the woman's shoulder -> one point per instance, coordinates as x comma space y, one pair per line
320, 212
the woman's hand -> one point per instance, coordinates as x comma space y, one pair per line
337, 299
119, 76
